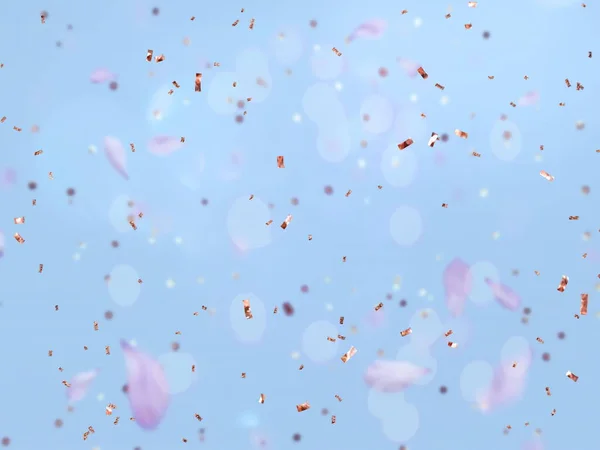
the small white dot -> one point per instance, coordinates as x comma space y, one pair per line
444, 100
338, 86
361, 163
178, 240
297, 118
414, 98
483, 192
316, 47
76, 257
170, 283
418, 22
152, 241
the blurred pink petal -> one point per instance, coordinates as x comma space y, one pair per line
8, 177
80, 384
508, 383
148, 392
371, 29
1, 244
101, 76
504, 295
409, 67
529, 99
164, 145
534, 444
457, 284
393, 376
115, 153
376, 319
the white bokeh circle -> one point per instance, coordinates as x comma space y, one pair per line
481, 294
119, 212
475, 379
246, 330
246, 223
123, 286
325, 64
403, 425
516, 349
506, 149
288, 46
426, 327
315, 345
222, 97
161, 104
334, 144
399, 168
322, 105
178, 371
380, 112
406, 226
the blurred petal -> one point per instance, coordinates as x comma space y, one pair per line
115, 153
80, 384
457, 284
164, 145
148, 389
393, 376
101, 76
504, 295
371, 29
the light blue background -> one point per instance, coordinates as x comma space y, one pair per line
42, 84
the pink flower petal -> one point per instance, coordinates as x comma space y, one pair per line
164, 145
457, 284
115, 153
393, 376
148, 391
504, 295
529, 99
508, 383
409, 67
101, 76
371, 29
80, 384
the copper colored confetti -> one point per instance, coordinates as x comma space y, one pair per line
461, 134
422, 72
286, 222
280, 162
573, 217
432, 140
583, 307
349, 354
19, 238
564, 281
452, 344
540, 340
303, 407
159, 58
336, 51
378, 306
476, 155
149, 54
19, 220
448, 333
405, 144
247, 310
406, 332
572, 376
198, 83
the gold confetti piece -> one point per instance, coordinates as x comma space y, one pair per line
579, 86
275, 310
19, 238
491, 77
310, 237
19, 220
461, 134
567, 82
448, 333
447, 16
378, 306
472, 4
50, 352
50, 176
198, 83
3, 119
132, 147
159, 58
286, 222
193, 367
303, 407
546, 175
404, 11
261, 399
540, 340
251, 25
573, 217
349, 354
38, 152
338, 398
583, 307
548, 393
95, 326
107, 350
514, 364
468, 26
301, 367
341, 338
406, 332
589, 54
41, 269
564, 281
247, 310
17, 129
336, 51
553, 412
452, 344
439, 86
572, 376
116, 422
133, 225
251, 197
422, 72
348, 193
43, 19
198, 417
444, 205
234, 24
341, 320
280, 162
149, 54
476, 155
333, 419
330, 339
405, 144
269, 222
66, 383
